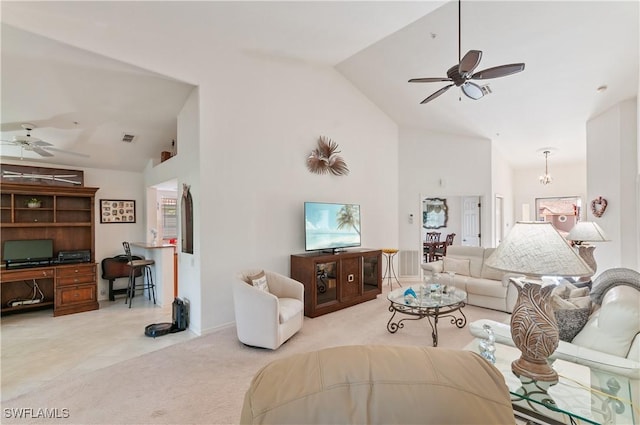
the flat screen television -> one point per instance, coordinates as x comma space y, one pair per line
331, 227
27, 250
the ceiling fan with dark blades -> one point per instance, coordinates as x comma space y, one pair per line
460, 74
30, 143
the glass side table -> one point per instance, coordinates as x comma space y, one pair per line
582, 395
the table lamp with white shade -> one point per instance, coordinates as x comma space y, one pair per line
536, 249
587, 231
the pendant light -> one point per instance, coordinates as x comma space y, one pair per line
546, 178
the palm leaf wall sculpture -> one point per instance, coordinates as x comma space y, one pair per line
325, 159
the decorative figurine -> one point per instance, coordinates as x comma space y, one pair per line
487, 346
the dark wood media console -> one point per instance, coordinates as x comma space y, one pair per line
335, 281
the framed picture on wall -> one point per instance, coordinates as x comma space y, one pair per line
117, 211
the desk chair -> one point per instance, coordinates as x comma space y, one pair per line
138, 267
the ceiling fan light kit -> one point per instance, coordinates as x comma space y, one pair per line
460, 74
33, 144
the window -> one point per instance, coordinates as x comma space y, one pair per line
169, 218
562, 212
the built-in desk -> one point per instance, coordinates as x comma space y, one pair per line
164, 268
69, 288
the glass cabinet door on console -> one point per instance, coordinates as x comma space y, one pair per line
326, 288
370, 274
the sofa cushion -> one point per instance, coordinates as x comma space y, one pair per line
458, 266
612, 328
493, 274
488, 272
259, 280
474, 254
486, 287
288, 307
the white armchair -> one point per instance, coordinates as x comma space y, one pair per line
267, 319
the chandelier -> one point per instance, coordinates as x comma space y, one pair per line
546, 178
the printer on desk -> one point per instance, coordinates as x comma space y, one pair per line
79, 256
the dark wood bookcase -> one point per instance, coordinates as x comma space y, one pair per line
336, 281
67, 216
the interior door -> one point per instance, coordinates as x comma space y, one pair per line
471, 221
499, 222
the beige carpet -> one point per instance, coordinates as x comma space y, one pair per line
203, 380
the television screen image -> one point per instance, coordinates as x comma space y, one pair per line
331, 226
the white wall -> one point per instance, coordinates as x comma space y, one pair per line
502, 182
185, 167
568, 180
612, 143
260, 119
440, 165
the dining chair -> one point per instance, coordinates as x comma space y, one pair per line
431, 240
441, 250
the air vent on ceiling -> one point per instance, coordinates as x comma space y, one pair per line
128, 137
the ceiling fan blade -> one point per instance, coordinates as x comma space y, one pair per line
436, 94
469, 62
498, 71
472, 90
70, 152
40, 143
429, 80
40, 151
26, 139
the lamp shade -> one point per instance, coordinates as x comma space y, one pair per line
587, 231
537, 249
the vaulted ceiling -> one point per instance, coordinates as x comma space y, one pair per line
84, 103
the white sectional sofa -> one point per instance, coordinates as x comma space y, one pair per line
609, 341
485, 287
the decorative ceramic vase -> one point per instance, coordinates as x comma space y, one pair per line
534, 331
32, 204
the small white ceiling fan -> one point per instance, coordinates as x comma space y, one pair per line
30, 143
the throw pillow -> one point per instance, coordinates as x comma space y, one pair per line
563, 290
571, 307
457, 266
259, 280
571, 321
559, 303
579, 292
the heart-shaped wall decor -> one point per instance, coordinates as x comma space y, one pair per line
598, 206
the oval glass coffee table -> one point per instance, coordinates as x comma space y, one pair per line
433, 306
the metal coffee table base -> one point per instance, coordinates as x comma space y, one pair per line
418, 313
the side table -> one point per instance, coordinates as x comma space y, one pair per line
582, 395
390, 272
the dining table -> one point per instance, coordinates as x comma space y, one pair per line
429, 250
